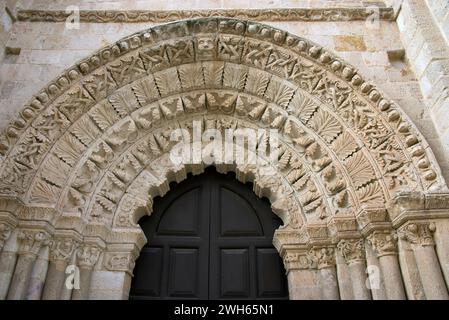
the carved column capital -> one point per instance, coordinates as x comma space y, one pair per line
88, 254
30, 241
418, 233
297, 260
120, 261
352, 250
5, 233
324, 257
384, 242
61, 248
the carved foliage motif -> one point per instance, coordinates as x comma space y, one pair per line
352, 250
418, 233
130, 95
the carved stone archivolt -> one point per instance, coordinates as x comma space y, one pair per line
91, 150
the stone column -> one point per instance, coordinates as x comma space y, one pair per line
114, 280
374, 271
353, 251
344, 277
87, 257
325, 261
384, 244
38, 276
303, 278
419, 234
30, 241
5, 233
61, 250
7, 260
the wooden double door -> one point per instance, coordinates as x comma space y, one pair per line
210, 237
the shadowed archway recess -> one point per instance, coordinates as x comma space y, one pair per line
83, 160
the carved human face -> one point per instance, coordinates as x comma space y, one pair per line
206, 47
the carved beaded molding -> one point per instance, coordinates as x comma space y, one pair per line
160, 16
94, 144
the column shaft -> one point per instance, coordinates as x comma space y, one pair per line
303, 285
85, 278
359, 280
21, 278
55, 280
430, 272
329, 283
391, 273
37, 278
7, 263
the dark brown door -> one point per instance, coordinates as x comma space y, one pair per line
210, 237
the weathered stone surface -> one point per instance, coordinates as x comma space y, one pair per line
90, 150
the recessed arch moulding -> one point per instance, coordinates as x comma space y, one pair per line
85, 158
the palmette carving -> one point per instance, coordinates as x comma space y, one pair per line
85, 140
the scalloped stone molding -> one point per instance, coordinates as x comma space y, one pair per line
91, 151
160, 16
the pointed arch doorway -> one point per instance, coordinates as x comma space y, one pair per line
210, 237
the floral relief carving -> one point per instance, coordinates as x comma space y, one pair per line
96, 141
419, 233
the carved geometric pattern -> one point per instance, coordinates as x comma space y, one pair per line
342, 144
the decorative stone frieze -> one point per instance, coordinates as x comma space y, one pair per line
160, 16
